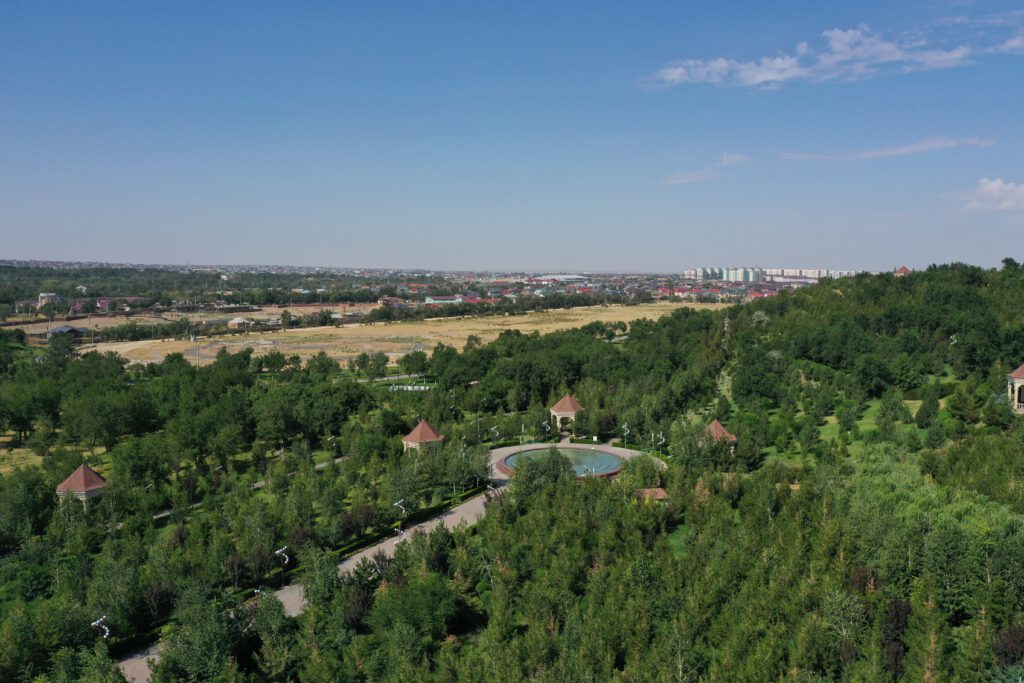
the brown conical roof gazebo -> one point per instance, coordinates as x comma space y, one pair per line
717, 431
83, 483
566, 409
422, 435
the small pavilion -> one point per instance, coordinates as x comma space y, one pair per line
655, 494
717, 431
83, 484
422, 435
566, 408
1015, 388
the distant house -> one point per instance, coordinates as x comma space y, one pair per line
717, 431
566, 409
239, 323
443, 300
84, 483
422, 435
48, 298
75, 332
902, 271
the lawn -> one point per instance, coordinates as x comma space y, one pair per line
10, 458
677, 540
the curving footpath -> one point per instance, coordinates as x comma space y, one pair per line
136, 669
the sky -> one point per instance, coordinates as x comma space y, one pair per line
573, 136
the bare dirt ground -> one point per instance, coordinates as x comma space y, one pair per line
394, 339
92, 323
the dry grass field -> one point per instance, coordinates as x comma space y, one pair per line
394, 339
99, 322
11, 457
92, 323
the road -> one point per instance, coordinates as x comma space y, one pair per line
136, 666
469, 512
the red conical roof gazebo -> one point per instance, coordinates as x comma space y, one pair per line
566, 409
83, 483
422, 434
717, 431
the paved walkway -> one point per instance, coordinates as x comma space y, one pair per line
469, 512
136, 666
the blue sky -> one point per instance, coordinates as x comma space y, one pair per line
549, 136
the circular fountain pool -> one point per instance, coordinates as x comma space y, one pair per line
586, 462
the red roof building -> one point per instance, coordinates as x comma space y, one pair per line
82, 484
655, 494
567, 405
717, 431
422, 434
902, 271
566, 409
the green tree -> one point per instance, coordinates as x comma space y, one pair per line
413, 363
198, 642
928, 411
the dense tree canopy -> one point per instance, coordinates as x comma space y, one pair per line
865, 525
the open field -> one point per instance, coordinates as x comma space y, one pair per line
96, 322
394, 339
99, 322
274, 311
11, 457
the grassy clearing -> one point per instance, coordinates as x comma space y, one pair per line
11, 458
677, 540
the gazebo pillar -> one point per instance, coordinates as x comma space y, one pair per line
1015, 389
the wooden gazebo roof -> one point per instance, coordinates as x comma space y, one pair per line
423, 433
567, 404
83, 480
718, 432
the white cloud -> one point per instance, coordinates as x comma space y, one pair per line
929, 145
725, 160
847, 54
728, 159
924, 60
995, 195
1015, 44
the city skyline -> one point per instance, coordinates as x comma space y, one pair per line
576, 137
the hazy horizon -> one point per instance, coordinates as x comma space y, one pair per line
581, 137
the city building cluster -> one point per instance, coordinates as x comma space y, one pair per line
721, 274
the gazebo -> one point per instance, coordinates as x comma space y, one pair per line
717, 431
421, 435
1015, 388
84, 483
566, 408
656, 494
